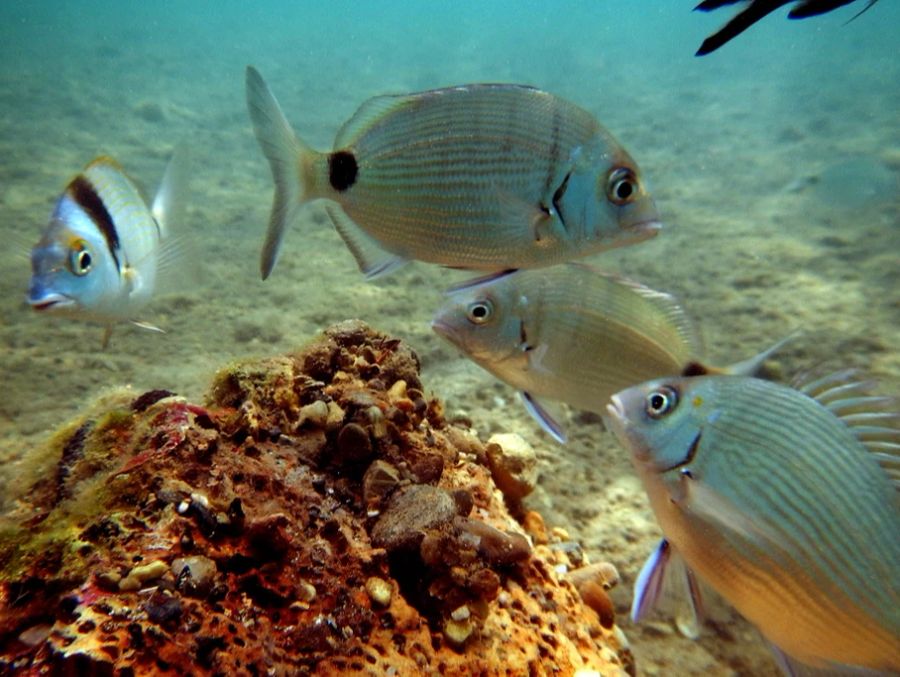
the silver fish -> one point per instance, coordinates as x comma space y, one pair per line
488, 177
100, 256
572, 334
783, 500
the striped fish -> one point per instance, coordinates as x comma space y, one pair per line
783, 500
100, 256
572, 334
488, 177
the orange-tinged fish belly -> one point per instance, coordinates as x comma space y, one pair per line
813, 626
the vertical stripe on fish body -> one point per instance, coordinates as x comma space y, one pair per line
568, 333
779, 505
481, 176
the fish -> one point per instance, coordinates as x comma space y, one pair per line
571, 333
784, 500
758, 9
488, 177
104, 250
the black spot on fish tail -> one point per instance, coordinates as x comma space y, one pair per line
342, 170
85, 195
694, 369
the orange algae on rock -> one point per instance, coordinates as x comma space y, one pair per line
316, 515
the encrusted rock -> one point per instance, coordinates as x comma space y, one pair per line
250, 536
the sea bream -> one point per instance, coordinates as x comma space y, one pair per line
101, 255
783, 500
487, 177
572, 334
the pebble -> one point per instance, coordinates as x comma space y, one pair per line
199, 576
461, 613
380, 591
379, 480
458, 632
141, 574
603, 573
315, 414
513, 465
410, 512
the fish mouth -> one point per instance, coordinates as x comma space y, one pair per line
617, 422
645, 229
50, 302
444, 330
616, 418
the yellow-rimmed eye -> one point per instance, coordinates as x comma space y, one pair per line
660, 402
480, 312
622, 186
80, 260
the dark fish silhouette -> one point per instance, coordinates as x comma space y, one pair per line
760, 8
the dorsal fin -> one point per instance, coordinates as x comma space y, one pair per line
872, 418
666, 303
369, 113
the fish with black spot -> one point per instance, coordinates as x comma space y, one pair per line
105, 250
485, 177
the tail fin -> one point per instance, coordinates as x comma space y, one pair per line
751, 367
168, 203
285, 153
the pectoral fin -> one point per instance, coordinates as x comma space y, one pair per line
663, 569
546, 414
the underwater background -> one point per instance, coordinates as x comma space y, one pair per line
774, 162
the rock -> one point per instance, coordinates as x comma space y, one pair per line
248, 547
410, 513
513, 465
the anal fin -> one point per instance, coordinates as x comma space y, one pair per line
373, 260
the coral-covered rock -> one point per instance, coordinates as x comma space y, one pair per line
316, 515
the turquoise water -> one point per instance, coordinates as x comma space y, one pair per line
774, 162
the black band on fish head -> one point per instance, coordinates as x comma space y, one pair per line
342, 170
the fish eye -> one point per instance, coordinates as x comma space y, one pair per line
622, 186
660, 402
81, 260
480, 312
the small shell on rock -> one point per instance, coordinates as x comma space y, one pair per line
458, 632
141, 574
353, 444
380, 479
603, 573
315, 414
397, 391
595, 597
513, 465
194, 575
379, 590
35, 634
335, 416
461, 613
